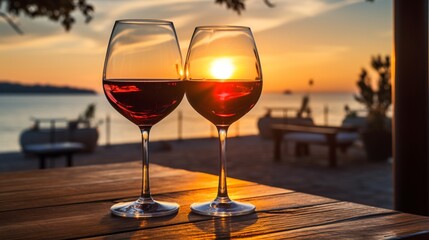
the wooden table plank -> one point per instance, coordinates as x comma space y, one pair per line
98, 187
77, 206
60, 177
395, 226
94, 219
97, 192
263, 222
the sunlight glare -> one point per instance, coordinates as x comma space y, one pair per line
222, 68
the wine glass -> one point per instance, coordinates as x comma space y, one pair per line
223, 82
143, 81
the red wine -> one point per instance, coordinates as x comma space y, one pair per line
144, 102
223, 103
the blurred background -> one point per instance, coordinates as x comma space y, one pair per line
325, 42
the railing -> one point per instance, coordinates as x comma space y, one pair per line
181, 119
52, 121
284, 110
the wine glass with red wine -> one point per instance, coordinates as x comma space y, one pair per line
223, 82
142, 79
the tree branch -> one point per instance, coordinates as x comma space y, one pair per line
269, 4
11, 23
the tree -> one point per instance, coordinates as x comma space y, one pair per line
239, 5
376, 101
60, 10
54, 10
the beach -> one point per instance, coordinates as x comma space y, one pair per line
249, 158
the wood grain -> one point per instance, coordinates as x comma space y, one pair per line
99, 188
75, 202
104, 191
94, 219
61, 177
393, 226
263, 222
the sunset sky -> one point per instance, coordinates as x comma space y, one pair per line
327, 40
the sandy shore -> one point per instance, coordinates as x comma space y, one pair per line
250, 158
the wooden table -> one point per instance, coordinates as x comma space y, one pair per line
330, 133
74, 203
46, 150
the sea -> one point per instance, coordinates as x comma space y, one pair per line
17, 112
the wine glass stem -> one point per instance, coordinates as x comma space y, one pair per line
145, 193
222, 194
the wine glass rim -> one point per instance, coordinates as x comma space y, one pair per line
144, 21
222, 27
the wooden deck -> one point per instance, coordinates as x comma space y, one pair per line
75, 202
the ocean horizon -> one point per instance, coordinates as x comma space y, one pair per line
17, 110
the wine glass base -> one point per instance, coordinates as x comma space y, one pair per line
222, 209
138, 209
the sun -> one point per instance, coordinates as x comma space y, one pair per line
222, 68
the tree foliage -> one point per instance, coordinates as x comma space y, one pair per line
239, 5
376, 100
55, 10
236, 5
61, 10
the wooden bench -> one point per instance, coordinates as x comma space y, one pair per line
326, 135
44, 150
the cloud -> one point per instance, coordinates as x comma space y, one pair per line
320, 53
287, 11
185, 14
89, 41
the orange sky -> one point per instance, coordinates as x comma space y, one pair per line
327, 40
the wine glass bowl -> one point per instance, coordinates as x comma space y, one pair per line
223, 103
223, 83
143, 81
144, 102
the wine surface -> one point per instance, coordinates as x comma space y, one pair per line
143, 101
223, 103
